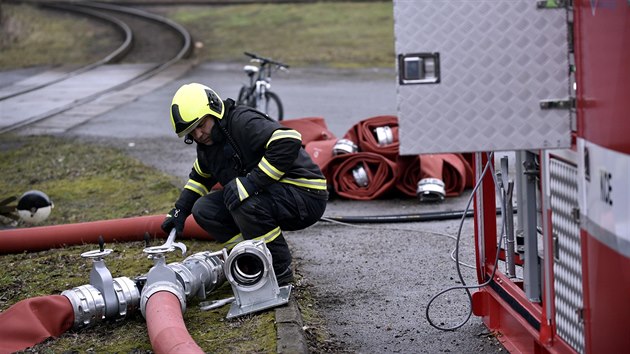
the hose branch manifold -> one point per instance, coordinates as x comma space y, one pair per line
115, 299
248, 268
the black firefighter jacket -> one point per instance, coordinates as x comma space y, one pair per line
248, 143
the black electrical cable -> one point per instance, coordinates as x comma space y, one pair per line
438, 216
427, 216
464, 286
459, 273
414, 217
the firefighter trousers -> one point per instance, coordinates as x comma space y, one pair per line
262, 216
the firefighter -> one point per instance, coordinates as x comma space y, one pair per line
270, 183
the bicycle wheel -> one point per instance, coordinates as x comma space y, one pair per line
272, 106
242, 95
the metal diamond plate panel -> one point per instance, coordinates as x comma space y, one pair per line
497, 61
567, 266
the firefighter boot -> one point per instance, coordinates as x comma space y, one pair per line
281, 257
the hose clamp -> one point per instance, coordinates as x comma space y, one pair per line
344, 146
161, 278
190, 284
384, 135
431, 190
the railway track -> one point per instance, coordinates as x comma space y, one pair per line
36, 104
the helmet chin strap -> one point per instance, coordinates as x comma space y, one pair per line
240, 168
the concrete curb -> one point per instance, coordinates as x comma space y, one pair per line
289, 324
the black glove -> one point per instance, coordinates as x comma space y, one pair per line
236, 191
176, 218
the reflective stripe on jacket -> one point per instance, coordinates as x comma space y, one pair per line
261, 148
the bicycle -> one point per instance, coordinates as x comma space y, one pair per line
258, 93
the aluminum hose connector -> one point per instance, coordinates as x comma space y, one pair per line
88, 302
431, 190
344, 146
161, 278
199, 274
384, 135
249, 269
360, 175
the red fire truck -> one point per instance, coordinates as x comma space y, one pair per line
548, 82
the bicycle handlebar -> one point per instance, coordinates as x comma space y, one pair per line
266, 60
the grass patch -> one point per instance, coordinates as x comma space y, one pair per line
90, 182
332, 34
31, 36
85, 182
53, 271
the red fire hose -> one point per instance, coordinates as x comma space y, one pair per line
362, 134
119, 230
166, 326
33, 320
311, 129
381, 175
453, 169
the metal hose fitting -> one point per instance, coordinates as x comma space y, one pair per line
88, 302
384, 135
249, 269
161, 278
344, 146
431, 190
200, 273
195, 276
360, 175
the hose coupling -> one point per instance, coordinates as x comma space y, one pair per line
89, 303
360, 175
344, 146
431, 190
161, 278
172, 287
200, 273
384, 135
249, 269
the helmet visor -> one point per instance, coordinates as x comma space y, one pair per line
193, 126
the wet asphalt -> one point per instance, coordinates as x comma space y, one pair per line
372, 282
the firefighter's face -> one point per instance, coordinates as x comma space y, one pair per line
201, 133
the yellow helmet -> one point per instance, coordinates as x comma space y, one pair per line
191, 103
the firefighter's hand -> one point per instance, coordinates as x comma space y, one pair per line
236, 191
175, 218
